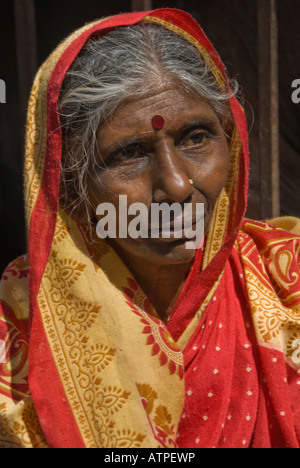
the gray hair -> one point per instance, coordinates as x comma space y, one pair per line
123, 65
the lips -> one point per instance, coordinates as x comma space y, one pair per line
175, 233
185, 219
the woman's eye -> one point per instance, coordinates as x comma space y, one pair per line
194, 139
126, 154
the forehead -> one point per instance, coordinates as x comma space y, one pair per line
173, 104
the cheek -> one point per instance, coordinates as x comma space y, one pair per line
222, 170
109, 186
212, 176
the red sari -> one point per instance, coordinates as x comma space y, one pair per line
90, 364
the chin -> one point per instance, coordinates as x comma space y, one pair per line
155, 251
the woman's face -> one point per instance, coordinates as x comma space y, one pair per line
155, 166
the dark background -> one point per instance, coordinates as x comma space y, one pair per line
232, 28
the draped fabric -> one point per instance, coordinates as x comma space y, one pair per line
88, 361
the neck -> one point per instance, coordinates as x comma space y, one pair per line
162, 284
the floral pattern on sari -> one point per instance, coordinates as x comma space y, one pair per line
158, 336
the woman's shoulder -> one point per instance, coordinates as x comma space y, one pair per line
271, 252
14, 328
19, 425
14, 288
277, 242
286, 223
285, 229
14, 322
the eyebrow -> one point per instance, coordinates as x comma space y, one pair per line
123, 144
203, 122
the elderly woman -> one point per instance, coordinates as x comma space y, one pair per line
137, 340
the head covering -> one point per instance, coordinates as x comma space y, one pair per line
104, 370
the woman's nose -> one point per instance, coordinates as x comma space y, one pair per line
171, 181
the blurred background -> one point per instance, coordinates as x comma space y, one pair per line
259, 43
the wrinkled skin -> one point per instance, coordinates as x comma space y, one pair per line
154, 166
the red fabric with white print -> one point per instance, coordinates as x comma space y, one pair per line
242, 391
222, 382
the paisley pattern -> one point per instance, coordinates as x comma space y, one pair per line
19, 423
271, 267
14, 366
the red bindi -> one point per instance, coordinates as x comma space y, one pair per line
157, 122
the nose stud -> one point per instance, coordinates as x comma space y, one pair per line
191, 181
157, 122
